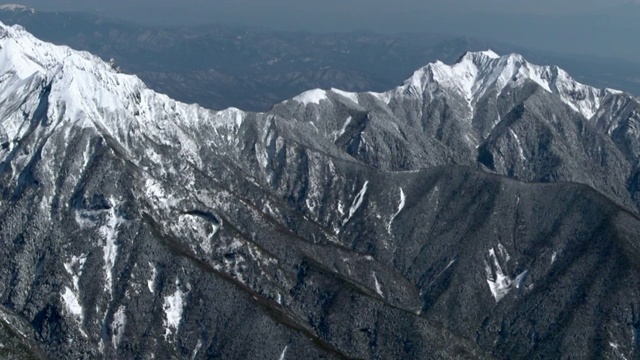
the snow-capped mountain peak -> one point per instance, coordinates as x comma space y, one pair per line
83, 90
16, 8
81, 86
476, 74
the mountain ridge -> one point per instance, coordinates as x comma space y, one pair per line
315, 96
215, 70
335, 225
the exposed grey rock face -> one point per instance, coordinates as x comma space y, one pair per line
484, 209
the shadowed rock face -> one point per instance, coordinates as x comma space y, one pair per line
473, 212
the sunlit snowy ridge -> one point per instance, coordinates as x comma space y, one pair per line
476, 74
87, 91
82, 90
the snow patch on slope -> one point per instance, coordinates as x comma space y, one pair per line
74, 267
403, 199
72, 304
377, 285
357, 202
109, 232
156, 194
519, 145
343, 129
117, 326
107, 222
198, 229
196, 350
173, 307
311, 97
349, 95
616, 351
284, 352
15, 324
152, 281
499, 281
70, 296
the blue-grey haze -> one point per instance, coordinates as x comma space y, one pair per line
401, 15
605, 28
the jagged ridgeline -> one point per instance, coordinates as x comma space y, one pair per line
485, 209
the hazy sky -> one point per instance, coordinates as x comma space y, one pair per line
605, 28
383, 15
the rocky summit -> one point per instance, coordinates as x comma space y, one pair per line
484, 209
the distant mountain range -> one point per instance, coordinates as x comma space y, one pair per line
252, 68
486, 208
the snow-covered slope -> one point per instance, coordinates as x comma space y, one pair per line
84, 91
477, 73
483, 101
87, 91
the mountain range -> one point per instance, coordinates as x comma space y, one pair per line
220, 66
486, 208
